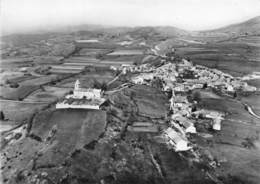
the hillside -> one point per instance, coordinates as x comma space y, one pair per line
249, 27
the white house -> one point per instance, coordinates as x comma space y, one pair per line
140, 79
185, 123
177, 141
217, 124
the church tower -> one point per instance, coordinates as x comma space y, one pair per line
77, 85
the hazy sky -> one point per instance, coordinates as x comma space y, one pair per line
186, 14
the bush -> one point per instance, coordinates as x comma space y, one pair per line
14, 85
99, 85
249, 143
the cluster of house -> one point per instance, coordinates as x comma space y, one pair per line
180, 123
82, 98
199, 76
217, 79
182, 117
133, 68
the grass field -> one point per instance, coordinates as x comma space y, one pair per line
86, 80
39, 80
76, 128
64, 71
19, 111
125, 52
16, 60
17, 93
227, 145
49, 94
21, 79
9, 75
93, 52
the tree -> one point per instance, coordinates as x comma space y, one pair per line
2, 116
235, 94
205, 85
96, 84
135, 63
103, 86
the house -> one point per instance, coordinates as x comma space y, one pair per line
141, 79
186, 124
217, 124
176, 140
216, 117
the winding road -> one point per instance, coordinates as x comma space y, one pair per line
250, 110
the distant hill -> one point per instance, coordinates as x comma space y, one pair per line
249, 27
152, 34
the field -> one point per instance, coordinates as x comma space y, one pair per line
126, 52
150, 103
93, 52
19, 111
44, 60
87, 79
254, 101
17, 93
9, 75
64, 71
16, 60
21, 79
86, 61
231, 56
76, 128
228, 145
47, 94
40, 80
7, 125
96, 45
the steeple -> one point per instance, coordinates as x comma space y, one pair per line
77, 85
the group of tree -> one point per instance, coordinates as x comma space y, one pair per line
100, 85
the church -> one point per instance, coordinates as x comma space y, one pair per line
80, 93
82, 98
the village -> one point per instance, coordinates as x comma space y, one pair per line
176, 79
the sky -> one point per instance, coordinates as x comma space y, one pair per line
22, 15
